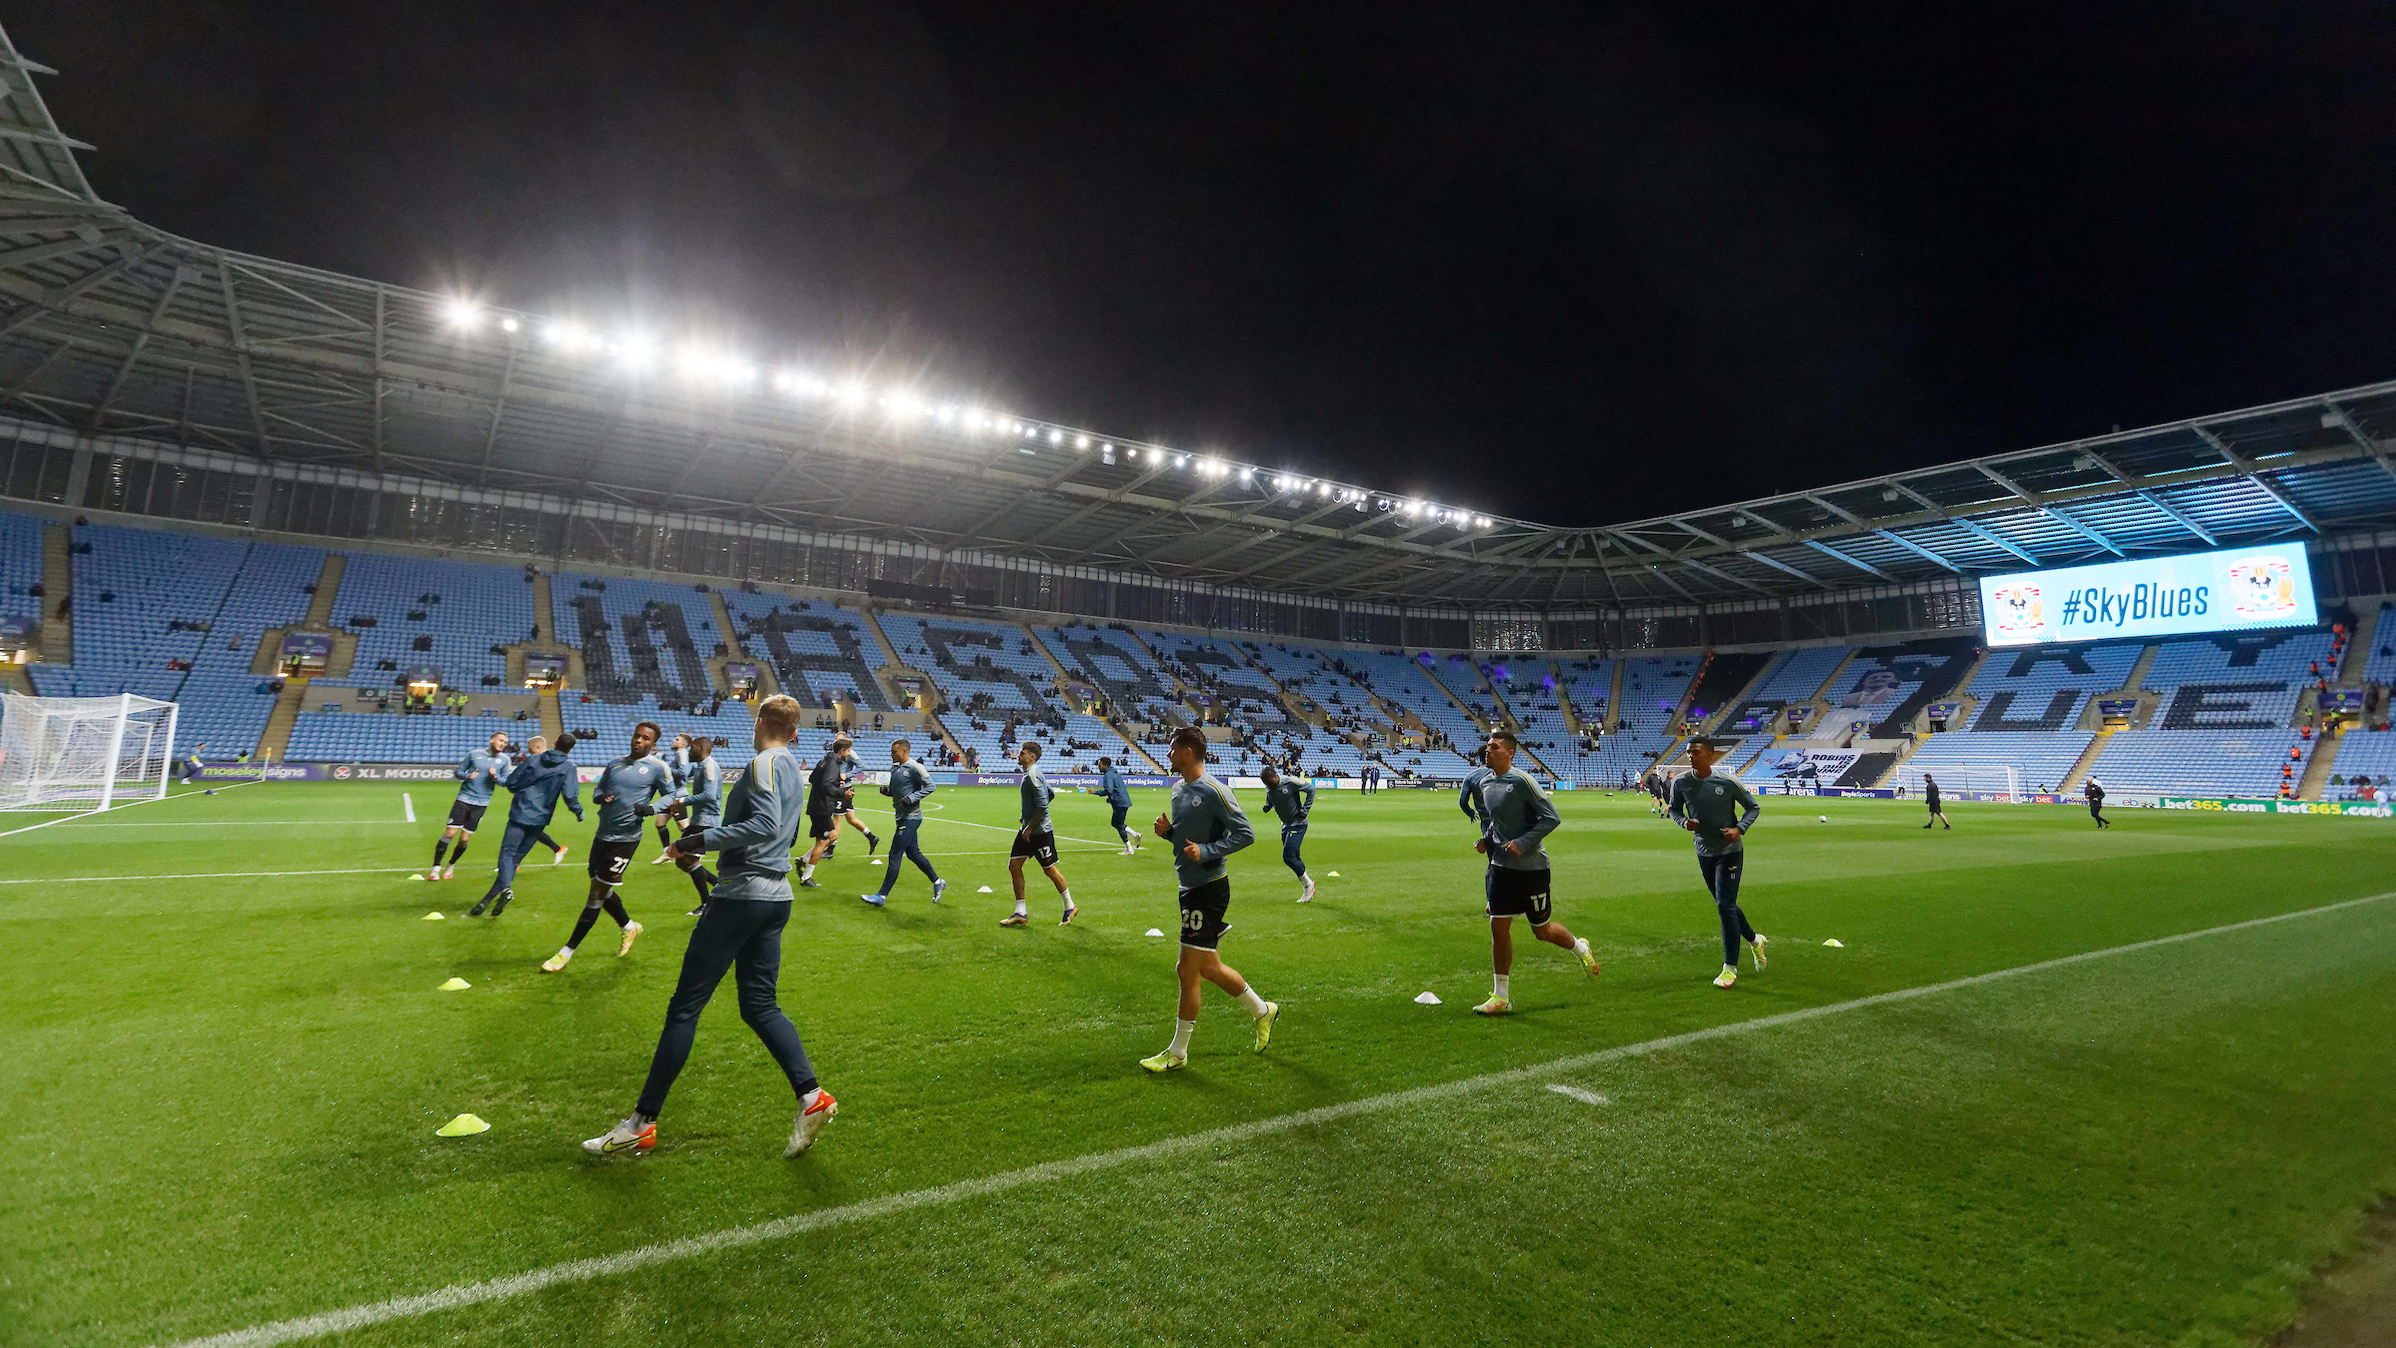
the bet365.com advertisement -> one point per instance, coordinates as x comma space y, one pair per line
2228, 591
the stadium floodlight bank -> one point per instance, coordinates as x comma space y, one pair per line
84, 753
1976, 782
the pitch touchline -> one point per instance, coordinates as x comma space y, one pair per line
626, 1261
102, 814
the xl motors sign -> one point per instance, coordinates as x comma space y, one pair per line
2229, 591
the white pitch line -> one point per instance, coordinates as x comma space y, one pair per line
408, 803
526, 870
102, 815
1585, 1097
627, 1261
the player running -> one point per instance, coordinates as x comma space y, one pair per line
701, 805
477, 775
1036, 840
536, 785
1515, 816
823, 808
850, 771
741, 931
1658, 794
1117, 794
623, 794
680, 762
1930, 798
908, 786
1204, 826
2095, 796
1719, 810
1291, 801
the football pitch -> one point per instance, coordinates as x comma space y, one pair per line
228, 1051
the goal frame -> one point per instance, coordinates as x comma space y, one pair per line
24, 787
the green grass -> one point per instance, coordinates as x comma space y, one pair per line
223, 1088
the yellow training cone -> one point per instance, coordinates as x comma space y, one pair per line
1333, 874
1834, 941
464, 1125
456, 985
432, 917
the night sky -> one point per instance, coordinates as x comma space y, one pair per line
1579, 265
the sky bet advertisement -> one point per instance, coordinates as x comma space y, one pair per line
2203, 592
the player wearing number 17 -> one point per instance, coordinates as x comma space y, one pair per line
1515, 815
1205, 826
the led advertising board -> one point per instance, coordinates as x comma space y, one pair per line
2231, 591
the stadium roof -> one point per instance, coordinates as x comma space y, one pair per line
116, 327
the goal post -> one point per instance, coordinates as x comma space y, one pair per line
84, 753
2001, 780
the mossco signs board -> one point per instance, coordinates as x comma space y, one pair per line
2230, 591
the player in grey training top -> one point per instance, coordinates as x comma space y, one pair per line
623, 794
1036, 840
1205, 826
700, 805
483, 770
741, 931
908, 786
1719, 811
1515, 816
1291, 800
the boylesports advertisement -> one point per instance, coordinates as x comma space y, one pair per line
2236, 590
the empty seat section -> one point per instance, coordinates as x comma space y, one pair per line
1798, 677
641, 640
462, 609
989, 676
818, 650
20, 565
2047, 688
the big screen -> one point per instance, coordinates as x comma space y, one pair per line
2228, 591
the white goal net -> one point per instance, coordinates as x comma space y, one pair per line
83, 753
2004, 781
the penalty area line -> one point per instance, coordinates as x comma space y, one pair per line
461, 1295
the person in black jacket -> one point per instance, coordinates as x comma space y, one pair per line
1930, 798
2096, 802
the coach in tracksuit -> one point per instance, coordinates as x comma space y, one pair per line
908, 786
1290, 801
536, 785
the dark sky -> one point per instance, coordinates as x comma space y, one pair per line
1581, 264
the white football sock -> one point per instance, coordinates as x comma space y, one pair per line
1249, 999
1067, 895
807, 871
1499, 983
807, 1101
1022, 909
1181, 1037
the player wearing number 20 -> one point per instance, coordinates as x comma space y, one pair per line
1205, 826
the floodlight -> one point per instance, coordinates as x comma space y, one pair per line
509, 325
1181, 460
1081, 442
462, 313
1056, 437
1247, 475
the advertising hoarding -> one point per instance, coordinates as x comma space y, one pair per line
2235, 590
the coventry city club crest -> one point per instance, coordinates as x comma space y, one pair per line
2262, 587
2020, 613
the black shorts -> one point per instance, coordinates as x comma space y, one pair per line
1202, 909
465, 816
1517, 894
609, 860
1932, 802
819, 822
1040, 846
